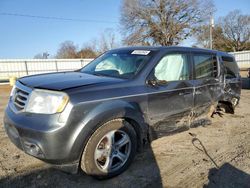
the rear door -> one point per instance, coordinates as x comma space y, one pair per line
171, 100
207, 84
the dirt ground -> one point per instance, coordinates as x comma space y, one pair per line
216, 155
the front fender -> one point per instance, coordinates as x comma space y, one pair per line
103, 112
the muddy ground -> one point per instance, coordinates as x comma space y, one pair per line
216, 155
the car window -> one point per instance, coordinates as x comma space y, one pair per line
205, 66
231, 68
172, 67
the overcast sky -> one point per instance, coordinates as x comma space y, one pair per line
24, 37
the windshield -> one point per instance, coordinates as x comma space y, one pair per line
125, 64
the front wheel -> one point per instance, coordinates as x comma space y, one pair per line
109, 150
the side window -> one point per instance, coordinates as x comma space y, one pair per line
231, 68
205, 66
172, 67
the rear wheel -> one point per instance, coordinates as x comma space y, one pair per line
109, 150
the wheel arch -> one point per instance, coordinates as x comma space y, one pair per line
105, 112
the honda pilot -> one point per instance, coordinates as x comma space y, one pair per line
97, 118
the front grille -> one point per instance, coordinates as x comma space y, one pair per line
20, 98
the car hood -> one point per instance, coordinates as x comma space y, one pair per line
65, 80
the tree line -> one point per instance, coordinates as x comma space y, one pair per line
166, 23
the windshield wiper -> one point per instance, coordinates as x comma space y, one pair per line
105, 75
98, 74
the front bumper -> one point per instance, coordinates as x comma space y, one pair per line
43, 137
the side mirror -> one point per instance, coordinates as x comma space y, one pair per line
155, 83
151, 83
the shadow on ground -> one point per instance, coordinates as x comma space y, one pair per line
144, 172
225, 176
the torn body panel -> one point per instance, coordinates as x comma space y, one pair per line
232, 91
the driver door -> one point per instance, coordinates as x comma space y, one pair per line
171, 98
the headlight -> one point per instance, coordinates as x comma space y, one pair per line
46, 102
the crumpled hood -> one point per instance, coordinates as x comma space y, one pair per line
65, 80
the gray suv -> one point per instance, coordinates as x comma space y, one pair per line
98, 117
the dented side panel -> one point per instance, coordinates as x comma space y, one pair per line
232, 82
170, 108
206, 96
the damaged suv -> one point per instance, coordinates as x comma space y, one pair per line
98, 117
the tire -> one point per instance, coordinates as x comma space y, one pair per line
110, 150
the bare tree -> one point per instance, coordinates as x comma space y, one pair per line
162, 22
203, 40
107, 41
43, 55
67, 50
231, 33
87, 52
236, 29
38, 56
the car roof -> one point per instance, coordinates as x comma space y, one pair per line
159, 48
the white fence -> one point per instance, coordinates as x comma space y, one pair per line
24, 67
242, 59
